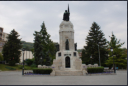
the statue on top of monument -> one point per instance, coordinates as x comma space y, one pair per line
66, 15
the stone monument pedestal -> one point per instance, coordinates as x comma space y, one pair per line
67, 60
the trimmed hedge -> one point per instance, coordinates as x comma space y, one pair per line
42, 71
95, 69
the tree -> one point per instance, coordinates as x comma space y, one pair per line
38, 48
27, 45
1, 57
118, 54
11, 49
44, 48
95, 38
84, 60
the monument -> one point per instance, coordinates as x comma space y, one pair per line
67, 60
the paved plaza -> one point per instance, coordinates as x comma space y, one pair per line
16, 78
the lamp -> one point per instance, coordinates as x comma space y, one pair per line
113, 60
41, 59
23, 61
99, 55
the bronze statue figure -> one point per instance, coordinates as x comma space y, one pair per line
67, 45
66, 15
75, 46
57, 47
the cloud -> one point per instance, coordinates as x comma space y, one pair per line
26, 17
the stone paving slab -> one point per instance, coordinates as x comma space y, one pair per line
16, 78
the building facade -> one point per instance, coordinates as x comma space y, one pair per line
27, 55
3, 38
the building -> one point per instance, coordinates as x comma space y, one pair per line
3, 38
27, 55
79, 52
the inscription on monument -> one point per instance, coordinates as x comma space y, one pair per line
67, 54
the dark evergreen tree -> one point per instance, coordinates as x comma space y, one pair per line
83, 56
1, 57
38, 48
120, 57
94, 39
11, 49
44, 48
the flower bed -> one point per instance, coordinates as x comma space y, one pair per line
31, 73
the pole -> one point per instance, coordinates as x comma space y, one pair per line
23, 64
91, 60
113, 64
99, 55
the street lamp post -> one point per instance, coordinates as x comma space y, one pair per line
41, 59
23, 62
113, 60
91, 58
99, 55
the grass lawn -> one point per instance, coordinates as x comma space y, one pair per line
4, 67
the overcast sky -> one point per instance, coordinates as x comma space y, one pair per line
27, 16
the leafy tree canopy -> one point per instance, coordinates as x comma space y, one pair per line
118, 53
44, 48
27, 45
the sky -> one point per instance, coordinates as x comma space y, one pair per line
26, 17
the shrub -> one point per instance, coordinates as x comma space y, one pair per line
95, 70
29, 62
42, 71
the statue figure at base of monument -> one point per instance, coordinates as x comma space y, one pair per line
67, 45
75, 46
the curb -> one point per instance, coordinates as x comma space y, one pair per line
36, 75
101, 74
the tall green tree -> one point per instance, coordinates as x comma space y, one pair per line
95, 40
38, 48
1, 57
11, 49
119, 54
84, 60
44, 48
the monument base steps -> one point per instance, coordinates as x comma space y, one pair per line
68, 73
